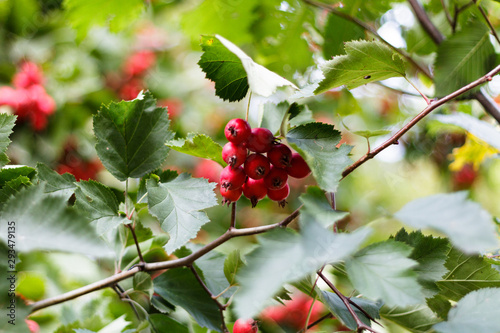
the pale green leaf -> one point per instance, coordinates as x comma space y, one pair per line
476, 312
465, 222
232, 265
417, 318
384, 271
339, 30
317, 142
177, 204
317, 206
131, 136
63, 185
142, 282
364, 62
199, 145
6, 124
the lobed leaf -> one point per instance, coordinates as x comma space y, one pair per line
417, 318
317, 206
199, 145
63, 185
7, 123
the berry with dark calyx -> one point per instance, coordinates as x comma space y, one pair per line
230, 195
233, 154
261, 140
279, 195
245, 326
237, 130
298, 167
276, 178
257, 166
280, 155
254, 190
232, 178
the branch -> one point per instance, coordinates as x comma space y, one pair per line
488, 22
148, 267
374, 32
434, 105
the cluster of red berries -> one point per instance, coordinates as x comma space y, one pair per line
256, 175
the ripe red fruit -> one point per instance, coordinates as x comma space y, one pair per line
279, 195
276, 179
257, 166
280, 156
232, 178
237, 130
233, 154
254, 190
208, 169
230, 195
298, 167
245, 326
261, 140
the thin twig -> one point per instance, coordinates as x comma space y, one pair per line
374, 32
233, 216
427, 100
328, 315
434, 105
488, 22
361, 326
139, 253
447, 13
148, 267
121, 293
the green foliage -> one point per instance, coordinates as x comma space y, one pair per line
383, 270
131, 136
232, 265
180, 287
177, 204
162, 323
212, 269
47, 223
452, 214
363, 63
463, 58
199, 145
6, 125
317, 207
317, 142
117, 14
476, 312
142, 282
63, 185
417, 318
338, 30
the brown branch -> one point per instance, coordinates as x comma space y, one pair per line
434, 105
139, 253
148, 267
488, 22
361, 326
374, 32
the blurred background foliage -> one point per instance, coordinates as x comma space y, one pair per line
86, 53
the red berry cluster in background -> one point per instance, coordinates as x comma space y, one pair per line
254, 174
72, 162
28, 98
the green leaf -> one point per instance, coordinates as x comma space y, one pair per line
117, 14
224, 68
340, 311
180, 287
464, 57
272, 116
364, 62
337, 31
476, 312
440, 305
11, 172
131, 136
468, 226
284, 256
317, 206
99, 204
431, 254
317, 142
232, 265
480, 129
384, 271
368, 134
47, 223
177, 206
142, 282
162, 323
63, 185
466, 273
6, 125
199, 145
416, 318
11, 187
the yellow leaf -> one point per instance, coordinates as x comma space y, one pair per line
474, 151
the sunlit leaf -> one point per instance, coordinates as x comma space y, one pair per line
199, 145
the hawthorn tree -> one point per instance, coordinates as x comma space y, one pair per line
130, 242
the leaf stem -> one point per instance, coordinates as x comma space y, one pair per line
121, 293
248, 105
139, 253
427, 100
488, 22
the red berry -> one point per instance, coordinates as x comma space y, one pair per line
298, 167
254, 190
230, 195
245, 326
257, 166
233, 154
261, 140
232, 178
237, 130
279, 195
280, 156
276, 178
